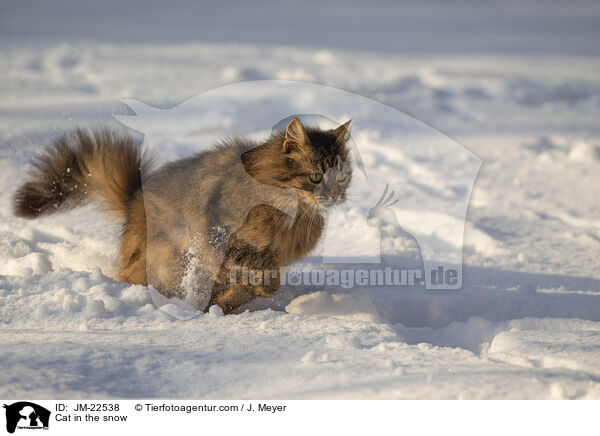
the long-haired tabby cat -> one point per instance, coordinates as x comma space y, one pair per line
204, 216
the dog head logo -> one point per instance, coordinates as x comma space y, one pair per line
26, 415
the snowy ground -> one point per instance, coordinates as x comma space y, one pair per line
526, 323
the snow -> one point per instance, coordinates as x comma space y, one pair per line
526, 323
583, 151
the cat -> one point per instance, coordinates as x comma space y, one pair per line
188, 224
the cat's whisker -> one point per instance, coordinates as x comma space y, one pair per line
309, 226
310, 223
364, 197
356, 200
310, 206
353, 198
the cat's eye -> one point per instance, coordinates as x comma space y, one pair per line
315, 177
341, 177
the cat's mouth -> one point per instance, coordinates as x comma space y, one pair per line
326, 202
322, 201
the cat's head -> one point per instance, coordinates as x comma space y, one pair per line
314, 162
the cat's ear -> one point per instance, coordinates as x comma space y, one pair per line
295, 136
342, 133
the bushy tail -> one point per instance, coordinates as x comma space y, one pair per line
98, 165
